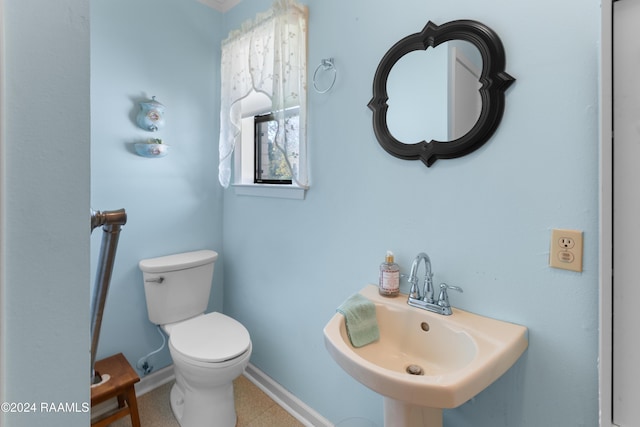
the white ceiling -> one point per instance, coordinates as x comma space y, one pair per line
220, 5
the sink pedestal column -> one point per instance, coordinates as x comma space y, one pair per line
401, 414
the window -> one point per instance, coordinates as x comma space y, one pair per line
265, 60
272, 164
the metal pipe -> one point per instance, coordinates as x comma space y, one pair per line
118, 217
111, 222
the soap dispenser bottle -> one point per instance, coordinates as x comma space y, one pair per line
389, 284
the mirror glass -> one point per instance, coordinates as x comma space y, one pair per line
434, 93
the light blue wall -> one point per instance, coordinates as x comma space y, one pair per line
45, 218
168, 49
285, 265
484, 219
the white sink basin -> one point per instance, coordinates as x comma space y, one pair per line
459, 355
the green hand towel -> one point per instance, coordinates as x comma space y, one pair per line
360, 319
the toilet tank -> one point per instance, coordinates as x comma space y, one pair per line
177, 287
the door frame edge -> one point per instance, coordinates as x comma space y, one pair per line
605, 336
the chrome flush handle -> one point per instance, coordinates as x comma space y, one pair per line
159, 279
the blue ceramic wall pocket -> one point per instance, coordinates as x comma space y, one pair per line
151, 118
151, 115
152, 148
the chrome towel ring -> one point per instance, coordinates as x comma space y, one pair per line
325, 65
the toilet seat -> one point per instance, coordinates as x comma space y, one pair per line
212, 338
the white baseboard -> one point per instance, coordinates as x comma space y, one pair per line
154, 380
294, 406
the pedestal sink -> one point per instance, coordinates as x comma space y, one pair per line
423, 361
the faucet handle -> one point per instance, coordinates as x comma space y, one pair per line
414, 292
443, 298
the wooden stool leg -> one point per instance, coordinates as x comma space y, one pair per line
121, 401
133, 406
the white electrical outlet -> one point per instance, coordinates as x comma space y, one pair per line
566, 249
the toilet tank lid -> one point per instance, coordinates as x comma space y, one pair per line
178, 261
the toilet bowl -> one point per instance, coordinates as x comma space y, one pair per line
208, 350
208, 353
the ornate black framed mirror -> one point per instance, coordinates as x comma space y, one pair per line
491, 82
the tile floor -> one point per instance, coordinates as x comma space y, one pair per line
253, 406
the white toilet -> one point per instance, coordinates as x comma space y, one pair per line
208, 350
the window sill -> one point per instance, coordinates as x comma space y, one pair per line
270, 190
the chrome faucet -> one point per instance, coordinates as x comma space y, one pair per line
427, 291
426, 300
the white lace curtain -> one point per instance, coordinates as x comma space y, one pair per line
268, 56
